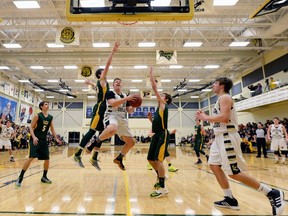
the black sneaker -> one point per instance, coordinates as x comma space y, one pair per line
95, 164
207, 157
120, 164
46, 180
12, 159
78, 160
228, 202
18, 182
198, 162
276, 198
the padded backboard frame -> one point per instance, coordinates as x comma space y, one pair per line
269, 6
93, 14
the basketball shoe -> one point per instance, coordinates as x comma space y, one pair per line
18, 183
120, 164
172, 169
149, 167
46, 180
78, 160
276, 198
228, 202
95, 164
160, 192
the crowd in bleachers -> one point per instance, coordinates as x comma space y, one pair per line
270, 84
247, 133
20, 139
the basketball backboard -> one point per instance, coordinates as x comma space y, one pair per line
129, 10
269, 6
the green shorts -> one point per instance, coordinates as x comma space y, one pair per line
158, 146
40, 151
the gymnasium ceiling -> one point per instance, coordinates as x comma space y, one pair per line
215, 27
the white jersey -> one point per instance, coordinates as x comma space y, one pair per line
6, 133
276, 132
220, 127
120, 110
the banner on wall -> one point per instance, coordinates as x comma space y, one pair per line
142, 112
67, 35
7, 109
25, 113
166, 57
89, 110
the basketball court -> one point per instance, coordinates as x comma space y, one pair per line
86, 191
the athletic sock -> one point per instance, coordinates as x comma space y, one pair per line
87, 137
95, 155
162, 182
228, 193
79, 151
45, 173
264, 189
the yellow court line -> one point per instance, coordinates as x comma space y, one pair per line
128, 205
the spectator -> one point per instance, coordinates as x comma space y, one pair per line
273, 84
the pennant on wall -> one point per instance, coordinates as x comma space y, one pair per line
67, 35
166, 57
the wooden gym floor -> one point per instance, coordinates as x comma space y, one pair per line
86, 191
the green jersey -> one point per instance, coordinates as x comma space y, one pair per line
43, 125
160, 120
101, 92
198, 132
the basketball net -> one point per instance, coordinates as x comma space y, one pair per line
127, 23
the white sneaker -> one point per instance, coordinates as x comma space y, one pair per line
160, 192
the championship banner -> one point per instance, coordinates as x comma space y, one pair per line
86, 72
166, 57
67, 36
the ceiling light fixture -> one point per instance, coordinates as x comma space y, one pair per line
211, 66
140, 66
52, 81
192, 44
176, 66
12, 46
137, 81
239, 44
194, 80
23, 81
39, 67
70, 67
26, 4
53, 45
146, 44
101, 45
165, 80
224, 2
134, 90
79, 81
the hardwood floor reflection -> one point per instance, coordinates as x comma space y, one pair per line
86, 191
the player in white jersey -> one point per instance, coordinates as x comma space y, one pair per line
7, 133
225, 152
117, 113
278, 134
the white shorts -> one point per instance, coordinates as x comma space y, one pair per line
226, 152
6, 143
122, 124
278, 143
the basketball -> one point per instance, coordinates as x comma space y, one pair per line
136, 102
